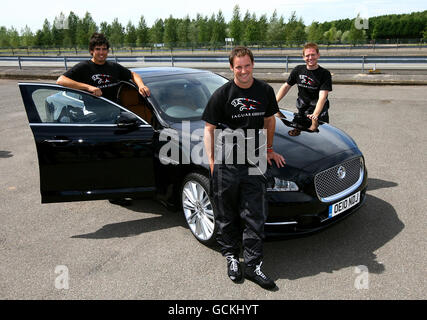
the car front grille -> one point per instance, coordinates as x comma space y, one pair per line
331, 186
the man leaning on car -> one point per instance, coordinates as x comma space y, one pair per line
101, 77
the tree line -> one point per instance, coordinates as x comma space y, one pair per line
72, 31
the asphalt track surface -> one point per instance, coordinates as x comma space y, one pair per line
147, 252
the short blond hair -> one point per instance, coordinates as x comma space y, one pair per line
310, 45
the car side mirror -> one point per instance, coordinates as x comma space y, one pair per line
127, 120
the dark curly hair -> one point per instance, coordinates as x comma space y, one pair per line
98, 39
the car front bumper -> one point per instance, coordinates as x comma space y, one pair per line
305, 217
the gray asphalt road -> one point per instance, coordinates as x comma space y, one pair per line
146, 252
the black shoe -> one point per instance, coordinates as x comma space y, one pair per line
255, 274
233, 269
121, 202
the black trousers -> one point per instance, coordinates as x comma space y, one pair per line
240, 201
305, 109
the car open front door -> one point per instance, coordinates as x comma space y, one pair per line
88, 148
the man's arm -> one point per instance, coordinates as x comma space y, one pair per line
284, 89
70, 83
143, 89
323, 96
208, 139
270, 125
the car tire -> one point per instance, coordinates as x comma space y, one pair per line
198, 208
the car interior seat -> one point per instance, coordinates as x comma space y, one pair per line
131, 100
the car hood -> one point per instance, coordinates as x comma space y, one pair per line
306, 149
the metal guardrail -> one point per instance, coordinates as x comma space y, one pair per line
362, 60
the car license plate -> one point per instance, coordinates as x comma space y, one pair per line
344, 205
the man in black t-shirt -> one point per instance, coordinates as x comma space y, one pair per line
99, 76
241, 105
314, 84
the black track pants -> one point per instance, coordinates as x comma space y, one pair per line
240, 197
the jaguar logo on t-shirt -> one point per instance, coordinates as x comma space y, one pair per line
306, 80
101, 79
245, 104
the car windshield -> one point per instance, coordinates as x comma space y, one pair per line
183, 96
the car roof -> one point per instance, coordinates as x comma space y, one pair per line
164, 71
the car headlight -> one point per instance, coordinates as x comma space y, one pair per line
282, 185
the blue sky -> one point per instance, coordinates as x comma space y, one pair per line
32, 12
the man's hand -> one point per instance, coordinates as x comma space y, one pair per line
144, 91
277, 158
312, 116
142, 88
94, 90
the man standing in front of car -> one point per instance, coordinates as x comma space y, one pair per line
101, 78
314, 84
241, 104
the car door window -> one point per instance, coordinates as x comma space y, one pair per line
67, 106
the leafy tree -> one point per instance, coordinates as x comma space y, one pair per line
333, 35
142, 32
27, 37
276, 28
38, 38
251, 31
203, 30
356, 35
105, 29
262, 28
170, 36
345, 38
71, 31
60, 23
57, 36
13, 36
219, 28
131, 35
184, 31
294, 30
235, 25
46, 35
157, 31
314, 32
117, 33
85, 28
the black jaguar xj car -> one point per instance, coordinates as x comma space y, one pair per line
90, 148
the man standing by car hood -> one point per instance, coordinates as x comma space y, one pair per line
314, 84
242, 104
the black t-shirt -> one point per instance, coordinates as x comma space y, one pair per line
235, 108
106, 76
239, 108
310, 82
